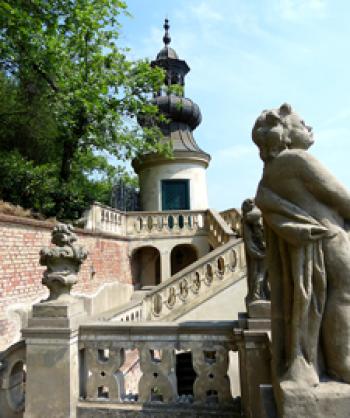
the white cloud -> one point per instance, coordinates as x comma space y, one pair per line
300, 10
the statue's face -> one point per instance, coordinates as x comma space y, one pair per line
300, 135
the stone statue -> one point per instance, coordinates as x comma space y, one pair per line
63, 262
305, 211
254, 245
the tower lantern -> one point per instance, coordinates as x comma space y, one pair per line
177, 183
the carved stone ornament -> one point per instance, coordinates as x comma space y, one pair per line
306, 215
255, 251
63, 262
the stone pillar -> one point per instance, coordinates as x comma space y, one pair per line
52, 386
165, 266
254, 364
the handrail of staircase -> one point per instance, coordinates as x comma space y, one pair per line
218, 230
208, 275
129, 312
195, 283
233, 218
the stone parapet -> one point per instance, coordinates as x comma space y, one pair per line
104, 347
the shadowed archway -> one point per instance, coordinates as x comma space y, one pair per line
182, 255
145, 267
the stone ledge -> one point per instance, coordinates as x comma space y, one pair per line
259, 309
48, 225
125, 410
327, 400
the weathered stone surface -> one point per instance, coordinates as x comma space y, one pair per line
306, 213
56, 309
12, 378
97, 410
255, 370
259, 309
327, 400
52, 387
255, 251
63, 262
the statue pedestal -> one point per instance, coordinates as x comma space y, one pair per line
259, 309
328, 399
52, 387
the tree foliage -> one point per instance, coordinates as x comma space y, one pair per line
69, 101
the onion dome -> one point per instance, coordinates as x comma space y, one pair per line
182, 114
179, 109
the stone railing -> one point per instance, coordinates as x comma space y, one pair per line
103, 349
196, 283
218, 231
233, 217
167, 223
12, 380
130, 312
101, 218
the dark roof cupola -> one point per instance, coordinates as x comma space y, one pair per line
183, 114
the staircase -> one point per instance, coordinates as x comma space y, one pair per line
196, 292
195, 284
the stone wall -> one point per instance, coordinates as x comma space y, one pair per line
20, 272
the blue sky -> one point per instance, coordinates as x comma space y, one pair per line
250, 55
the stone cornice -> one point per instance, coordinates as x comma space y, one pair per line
48, 225
151, 160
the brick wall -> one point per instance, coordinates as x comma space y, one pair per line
20, 273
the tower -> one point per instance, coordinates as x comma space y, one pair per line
177, 183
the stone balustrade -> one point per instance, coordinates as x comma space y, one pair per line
102, 218
233, 217
196, 283
219, 232
103, 349
12, 380
144, 224
130, 312
167, 223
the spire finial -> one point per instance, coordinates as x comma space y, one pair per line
166, 37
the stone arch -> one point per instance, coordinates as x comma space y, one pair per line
145, 266
182, 255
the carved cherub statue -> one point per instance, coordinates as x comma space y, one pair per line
305, 211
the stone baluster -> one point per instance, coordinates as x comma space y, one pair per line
158, 381
102, 375
212, 383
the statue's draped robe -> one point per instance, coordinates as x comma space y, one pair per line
297, 277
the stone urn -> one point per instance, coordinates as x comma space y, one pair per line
63, 262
